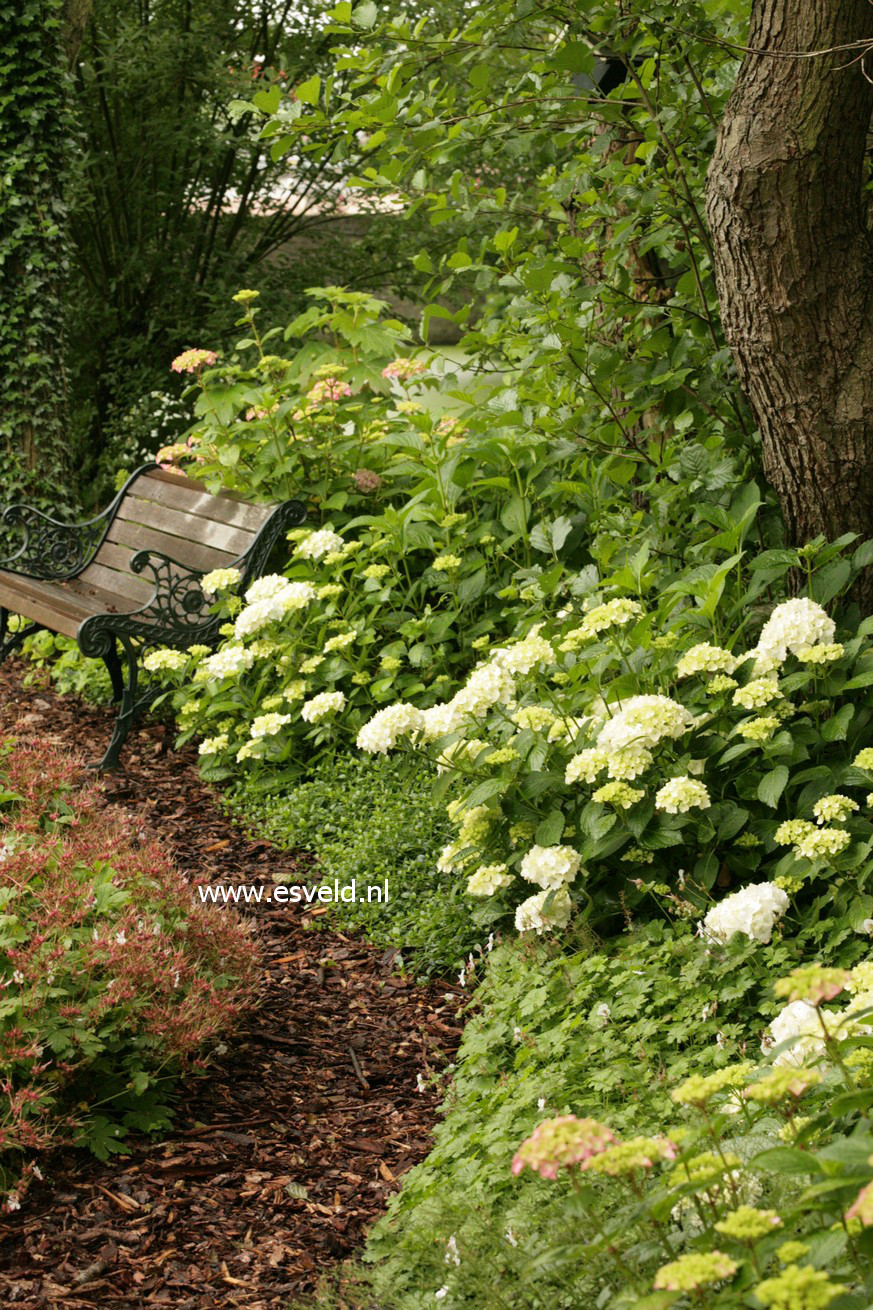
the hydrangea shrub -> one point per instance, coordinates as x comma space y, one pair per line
610, 753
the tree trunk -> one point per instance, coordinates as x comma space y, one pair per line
794, 259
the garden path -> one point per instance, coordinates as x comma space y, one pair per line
291, 1146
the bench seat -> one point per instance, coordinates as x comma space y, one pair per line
86, 581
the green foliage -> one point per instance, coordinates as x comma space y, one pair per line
609, 1035
372, 822
34, 127
113, 981
174, 203
67, 668
582, 262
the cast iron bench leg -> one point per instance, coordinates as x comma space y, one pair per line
113, 665
127, 709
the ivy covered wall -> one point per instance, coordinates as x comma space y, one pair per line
34, 135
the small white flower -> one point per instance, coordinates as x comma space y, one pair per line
453, 1255
603, 1013
720, 1041
441, 1292
541, 1103
517, 1034
420, 1084
511, 1237
120, 939
18, 977
867, 927
12, 1201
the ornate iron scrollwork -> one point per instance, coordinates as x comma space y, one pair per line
52, 550
176, 614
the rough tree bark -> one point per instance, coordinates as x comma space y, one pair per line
794, 257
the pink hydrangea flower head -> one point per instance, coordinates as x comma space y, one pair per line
328, 389
192, 361
561, 1142
366, 480
403, 369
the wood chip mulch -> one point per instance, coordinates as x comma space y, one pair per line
290, 1147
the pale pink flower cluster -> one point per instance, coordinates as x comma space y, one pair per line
328, 389
561, 1142
403, 369
191, 361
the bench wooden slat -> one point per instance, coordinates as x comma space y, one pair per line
191, 553
193, 499
133, 590
188, 527
46, 603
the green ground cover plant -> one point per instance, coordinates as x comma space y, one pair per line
373, 822
727, 1120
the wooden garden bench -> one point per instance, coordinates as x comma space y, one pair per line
131, 576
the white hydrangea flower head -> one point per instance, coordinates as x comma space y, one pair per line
753, 911
487, 685
219, 580
524, 655
618, 794
550, 866
339, 642
682, 794
704, 658
793, 626
823, 654
586, 766
266, 587
534, 717
757, 693
834, 809
822, 843
799, 1023
322, 705
600, 618
381, 733
212, 745
165, 659
628, 762
319, 543
488, 879
228, 662
644, 721
268, 725
272, 607
531, 915
440, 720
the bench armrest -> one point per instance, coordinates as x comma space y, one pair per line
177, 612
52, 550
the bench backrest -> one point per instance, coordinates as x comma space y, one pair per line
167, 512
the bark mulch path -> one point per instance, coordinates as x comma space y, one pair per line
291, 1146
